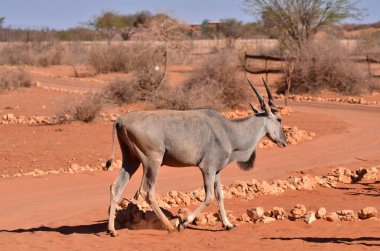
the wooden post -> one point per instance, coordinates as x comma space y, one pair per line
266, 69
245, 65
369, 65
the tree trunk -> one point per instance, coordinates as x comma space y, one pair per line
165, 68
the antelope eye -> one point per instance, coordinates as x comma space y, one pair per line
279, 120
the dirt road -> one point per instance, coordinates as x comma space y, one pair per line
68, 211
71, 84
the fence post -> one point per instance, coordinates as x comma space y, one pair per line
369, 65
245, 65
266, 68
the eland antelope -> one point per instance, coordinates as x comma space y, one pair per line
202, 138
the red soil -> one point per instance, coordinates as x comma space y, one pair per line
68, 211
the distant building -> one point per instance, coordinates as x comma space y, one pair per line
212, 27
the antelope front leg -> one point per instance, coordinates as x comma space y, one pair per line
208, 179
219, 196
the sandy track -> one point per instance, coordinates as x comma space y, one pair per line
70, 84
73, 207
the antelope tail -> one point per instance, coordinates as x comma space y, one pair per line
109, 161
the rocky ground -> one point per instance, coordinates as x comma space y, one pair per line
135, 213
321, 192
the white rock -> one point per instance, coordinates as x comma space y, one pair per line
256, 214
297, 212
310, 217
367, 212
332, 217
321, 213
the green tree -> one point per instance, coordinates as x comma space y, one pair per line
251, 29
299, 20
205, 29
231, 30
135, 22
1, 21
110, 23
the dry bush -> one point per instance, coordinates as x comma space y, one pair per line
215, 83
148, 81
128, 56
36, 53
142, 86
326, 65
76, 53
109, 58
120, 91
88, 109
145, 80
173, 98
11, 79
48, 53
147, 55
16, 54
83, 108
180, 53
369, 43
374, 86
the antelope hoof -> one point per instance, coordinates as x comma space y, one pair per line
229, 227
113, 233
171, 230
182, 227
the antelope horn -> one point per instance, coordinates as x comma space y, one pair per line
261, 100
254, 109
270, 97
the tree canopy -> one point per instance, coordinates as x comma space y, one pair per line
231, 29
298, 20
1, 21
110, 23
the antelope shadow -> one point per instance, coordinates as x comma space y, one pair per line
94, 228
364, 241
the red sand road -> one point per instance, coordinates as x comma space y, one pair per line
72, 208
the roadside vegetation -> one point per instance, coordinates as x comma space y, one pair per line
213, 84
145, 45
326, 66
12, 79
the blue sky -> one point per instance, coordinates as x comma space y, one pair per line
61, 14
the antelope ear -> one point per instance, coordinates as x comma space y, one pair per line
254, 109
274, 109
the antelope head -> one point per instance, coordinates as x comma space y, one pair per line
273, 123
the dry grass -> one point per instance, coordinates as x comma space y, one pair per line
76, 53
374, 86
215, 83
141, 87
124, 57
327, 66
120, 91
11, 79
173, 98
84, 108
109, 58
89, 108
37, 53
